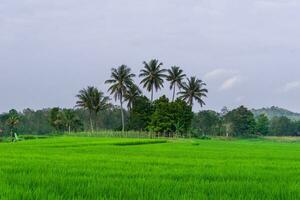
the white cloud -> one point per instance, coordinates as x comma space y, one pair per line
230, 83
291, 86
277, 3
219, 73
226, 78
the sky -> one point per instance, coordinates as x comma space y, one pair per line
248, 52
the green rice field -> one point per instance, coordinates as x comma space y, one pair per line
119, 168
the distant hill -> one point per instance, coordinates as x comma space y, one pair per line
276, 112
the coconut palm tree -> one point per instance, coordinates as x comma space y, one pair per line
12, 122
92, 100
193, 90
175, 77
153, 76
131, 94
69, 118
121, 80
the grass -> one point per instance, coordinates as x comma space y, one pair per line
283, 139
112, 134
139, 142
101, 168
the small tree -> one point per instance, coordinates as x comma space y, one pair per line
64, 119
70, 119
56, 119
262, 124
12, 121
282, 126
241, 122
208, 122
132, 93
182, 116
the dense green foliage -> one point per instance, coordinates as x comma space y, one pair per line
262, 125
283, 126
140, 114
91, 168
240, 122
211, 123
162, 117
170, 117
65, 120
39, 121
207, 122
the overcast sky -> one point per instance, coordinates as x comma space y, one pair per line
248, 52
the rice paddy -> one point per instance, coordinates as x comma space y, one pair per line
123, 168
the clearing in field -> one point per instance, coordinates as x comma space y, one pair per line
101, 168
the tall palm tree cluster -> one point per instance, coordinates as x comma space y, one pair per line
153, 75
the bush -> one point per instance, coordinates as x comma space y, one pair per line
204, 137
170, 118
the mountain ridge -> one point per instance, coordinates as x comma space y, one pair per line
275, 111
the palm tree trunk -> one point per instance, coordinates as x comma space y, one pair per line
174, 91
91, 122
69, 128
152, 94
122, 113
191, 102
11, 135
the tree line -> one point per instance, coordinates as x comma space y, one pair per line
94, 111
56, 120
160, 116
241, 122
